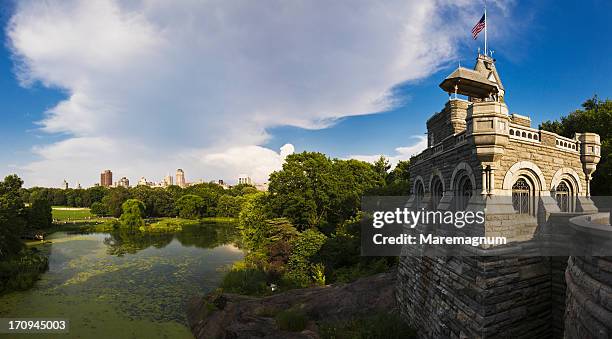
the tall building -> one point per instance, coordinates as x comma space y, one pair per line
167, 181
124, 182
180, 178
143, 182
106, 178
245, 179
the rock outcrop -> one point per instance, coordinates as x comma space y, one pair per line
236, 316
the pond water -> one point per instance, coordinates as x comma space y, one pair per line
123, 285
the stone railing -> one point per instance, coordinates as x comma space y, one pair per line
438, 148
460, 138
567, 144
524, 133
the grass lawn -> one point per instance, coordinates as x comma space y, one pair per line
66, 213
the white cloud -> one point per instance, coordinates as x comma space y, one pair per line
401, 153
154, 82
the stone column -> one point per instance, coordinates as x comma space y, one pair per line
484, 180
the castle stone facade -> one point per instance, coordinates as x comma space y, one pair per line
479, 156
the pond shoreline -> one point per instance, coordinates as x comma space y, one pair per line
139, 280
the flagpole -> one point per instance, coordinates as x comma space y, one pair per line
485, 16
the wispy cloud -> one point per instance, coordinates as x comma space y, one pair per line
154, 85
401, 153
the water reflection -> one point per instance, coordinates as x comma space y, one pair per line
125, 284
123, 241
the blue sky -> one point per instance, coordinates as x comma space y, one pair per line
551, 55
558, 61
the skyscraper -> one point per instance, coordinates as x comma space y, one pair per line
245, 179
167, 180
106, 178
124, 182
180, 177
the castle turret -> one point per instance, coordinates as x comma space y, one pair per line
590, 148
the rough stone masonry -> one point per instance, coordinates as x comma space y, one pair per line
530, 182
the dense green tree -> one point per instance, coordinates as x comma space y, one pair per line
353, 179
191, 206
163, 203
133, 214
58, 198
313, 190
12, 216
96, 194
595, 116
115, 199
241, 189
252, 219
302, 190
99, 209
210, 193
382, 166
144, 194
229, 206
39, 214
396, 183
159, 201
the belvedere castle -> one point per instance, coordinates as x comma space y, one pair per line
531, 184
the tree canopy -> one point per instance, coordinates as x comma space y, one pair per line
313, 190
12, 216
596, 117
191, 206
133, 214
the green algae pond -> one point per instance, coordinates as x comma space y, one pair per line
123, 285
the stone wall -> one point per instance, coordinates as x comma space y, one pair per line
548, 159
476, 297
450, 120
588, 312
521, 296
445, 162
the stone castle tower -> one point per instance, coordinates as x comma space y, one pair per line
480, 156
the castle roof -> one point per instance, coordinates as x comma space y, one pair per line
480, 82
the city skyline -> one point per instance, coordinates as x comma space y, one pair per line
106, 180
70, 110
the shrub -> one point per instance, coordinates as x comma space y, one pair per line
21, 272
245, 280
301, 271
291, 320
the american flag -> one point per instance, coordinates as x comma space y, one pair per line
480, 25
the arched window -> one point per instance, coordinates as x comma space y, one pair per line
564, 196
419, 194
437, 190
463, 193
522, 196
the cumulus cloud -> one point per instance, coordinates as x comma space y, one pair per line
401, 153
154, 82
